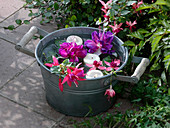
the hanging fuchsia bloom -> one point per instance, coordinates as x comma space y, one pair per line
135, 6
131, 25
100, 41
105, 5
113, 65
55, 62
110, 92
72, 51
73, 76
116, 28
96, 65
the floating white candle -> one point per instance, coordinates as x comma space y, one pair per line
94, 74
90, 58
74, 38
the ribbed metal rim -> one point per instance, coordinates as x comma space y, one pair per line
41, 64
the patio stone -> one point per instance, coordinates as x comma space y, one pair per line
16, 116
12, 62
28, 90
16, 35
7, 7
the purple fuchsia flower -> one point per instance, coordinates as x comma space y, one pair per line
72, 51
113, 65
101, 41
55, 62
131, 25
116, 28
73, 76
110, 92
96, 65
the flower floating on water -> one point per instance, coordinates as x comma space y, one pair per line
100, 41
113, 65
95, 65
55, 62
73, 76
72, 51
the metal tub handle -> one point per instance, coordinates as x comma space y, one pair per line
140, 69
26, 38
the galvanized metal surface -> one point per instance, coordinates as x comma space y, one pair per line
77, 101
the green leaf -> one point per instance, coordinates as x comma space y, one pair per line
90, 18
26, 22
129, 43
144, 6
56, 6
18, 21
142, 31
73, 18
141, 44
136, 35
133, 50
167, 62
129, 3
163, 76
47, 14
160, 2
155, 43
10, 27
29, 1
155, 66
124, 12
137, 100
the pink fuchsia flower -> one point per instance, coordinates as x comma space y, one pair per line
105, 5
73, 76
110, 92
131, 25
101, 41
116, 28
135, 6
72, 51
113, 65
96, 65
55, 62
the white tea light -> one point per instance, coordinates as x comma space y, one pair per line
90, 58
94, 74
74, 38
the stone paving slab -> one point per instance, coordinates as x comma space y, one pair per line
16, 35
7, 7
13, 115
12, 62
28, 90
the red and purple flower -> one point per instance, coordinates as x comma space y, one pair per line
55, 62
113, 65
73, 76
72, 51
96, 65
100, 41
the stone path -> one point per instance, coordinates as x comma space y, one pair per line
22, 96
